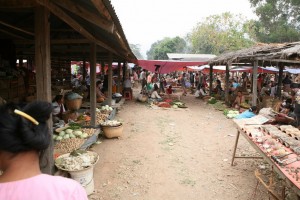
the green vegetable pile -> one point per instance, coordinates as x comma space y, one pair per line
232, 114
69, 133
212, 100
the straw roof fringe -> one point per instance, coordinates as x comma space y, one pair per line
288, 53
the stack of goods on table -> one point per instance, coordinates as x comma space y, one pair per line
281, 144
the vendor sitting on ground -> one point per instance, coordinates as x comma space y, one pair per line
154, 94
218, 89
127, 85
99, 95
286, 115
248, 113
169, 91
238, 100
58, 108
201, 92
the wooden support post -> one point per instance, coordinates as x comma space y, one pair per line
124, 71
254, 83
83, 70
227, 84
43, 74
280, 80
21, 62
109, 94
93, 84
102, 68
119, 77
210, 79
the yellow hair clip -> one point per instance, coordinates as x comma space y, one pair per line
18, 112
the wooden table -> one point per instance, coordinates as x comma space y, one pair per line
284, 174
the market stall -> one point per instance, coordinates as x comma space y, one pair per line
278, 145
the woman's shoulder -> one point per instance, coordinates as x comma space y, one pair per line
53, 187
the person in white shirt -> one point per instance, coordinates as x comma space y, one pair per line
154, 94
127, 85
58, 107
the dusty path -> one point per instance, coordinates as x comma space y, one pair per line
174, 154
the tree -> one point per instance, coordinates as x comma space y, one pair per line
221, 33
279, 20
159, 49
136, 50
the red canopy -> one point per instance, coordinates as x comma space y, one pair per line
166, 66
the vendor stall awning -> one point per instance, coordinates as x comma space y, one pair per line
166, 66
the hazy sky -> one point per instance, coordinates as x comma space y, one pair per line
146, 21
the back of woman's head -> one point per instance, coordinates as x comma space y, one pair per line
18, 134
58, 98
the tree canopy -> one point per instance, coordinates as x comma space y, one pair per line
279, 20
159, 49
221, 33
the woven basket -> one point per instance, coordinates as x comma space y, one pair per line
74, 104
112, 131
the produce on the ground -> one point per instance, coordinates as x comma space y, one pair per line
212, 100
164, 105
68, 145
111, 123
77, 162
245, 105
232, 114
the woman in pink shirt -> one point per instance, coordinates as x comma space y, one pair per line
24, 136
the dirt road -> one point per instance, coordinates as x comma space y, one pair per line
174, 154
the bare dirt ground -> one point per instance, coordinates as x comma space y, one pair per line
170, 154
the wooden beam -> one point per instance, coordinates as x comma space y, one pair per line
101, 9
109, 95
16, 4
93, 84
43, 73
87, 15
16, 28
254, 83
11, 34
74, 24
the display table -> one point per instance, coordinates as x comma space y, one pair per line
253, 134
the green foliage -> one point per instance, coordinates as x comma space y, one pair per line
136, 50
221, 33
159, 49
279, 20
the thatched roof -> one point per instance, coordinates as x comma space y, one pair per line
287, 53
74, 25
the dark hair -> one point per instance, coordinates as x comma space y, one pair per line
155, 87
253, 108
98, 83
57, 98
18, 134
